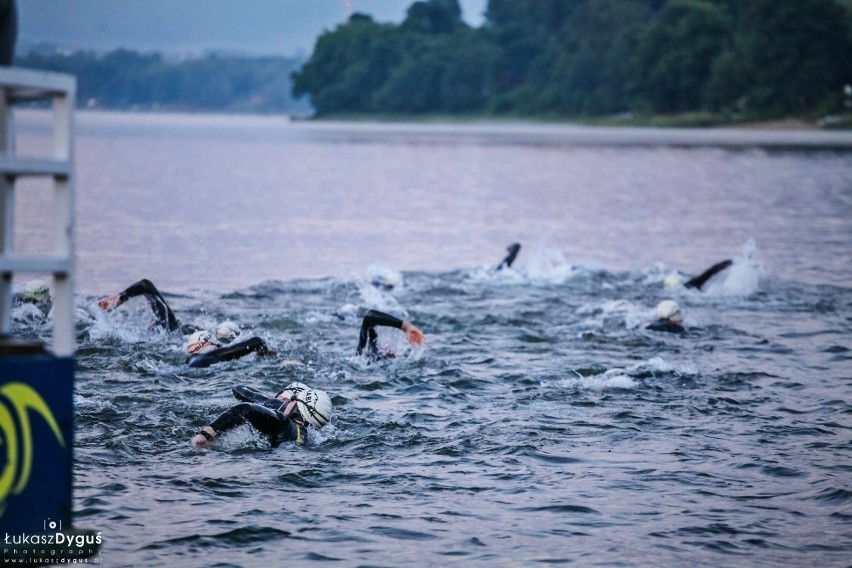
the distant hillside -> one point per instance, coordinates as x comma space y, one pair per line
128, 80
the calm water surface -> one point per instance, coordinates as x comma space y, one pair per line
541, 423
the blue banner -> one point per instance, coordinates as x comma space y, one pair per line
36, 442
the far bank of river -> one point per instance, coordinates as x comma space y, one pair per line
786, 134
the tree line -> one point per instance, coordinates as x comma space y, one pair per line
532, 58
124, 79
575, 58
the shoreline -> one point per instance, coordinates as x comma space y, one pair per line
788, 133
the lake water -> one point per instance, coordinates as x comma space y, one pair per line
541, 423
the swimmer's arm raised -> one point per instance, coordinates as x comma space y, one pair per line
702, 278
375, 318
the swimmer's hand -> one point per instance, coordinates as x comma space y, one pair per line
109, 303
266, 351
415, 336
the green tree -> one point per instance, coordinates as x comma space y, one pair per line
586, 57
785, 56
521, 30
348, 66
675, 55
433, 17
469, 64
439, 73
593, 70
413, 85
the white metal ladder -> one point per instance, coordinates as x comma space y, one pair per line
17, 84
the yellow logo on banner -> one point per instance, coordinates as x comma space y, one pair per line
19, 448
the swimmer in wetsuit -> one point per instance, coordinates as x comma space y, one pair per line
367, 341
165, 317
35, 292
204, 350
513, 250
669, 318
282, 418
702, 278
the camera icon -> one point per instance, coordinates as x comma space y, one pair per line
51, 525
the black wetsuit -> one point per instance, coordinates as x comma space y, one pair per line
368, 337
666, 325
510, 258
702, 278
229, 352
165, 317
265, 414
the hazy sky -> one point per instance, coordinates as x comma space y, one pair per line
277, 27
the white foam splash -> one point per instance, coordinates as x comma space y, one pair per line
132, 323
488, 274
611, 379
742, 278
656, 364
383, 276
240, 437
27, 312
92, 404
373, 297
347, 310
547, 265
614, 312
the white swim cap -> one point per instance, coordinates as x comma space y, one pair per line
669, 310
292, 389
671, 281
227, 331
36, 290
315, 407
384, 278
200, 342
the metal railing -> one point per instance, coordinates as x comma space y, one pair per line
17, 85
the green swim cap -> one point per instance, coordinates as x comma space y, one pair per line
36, 290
